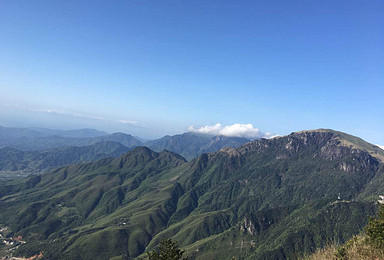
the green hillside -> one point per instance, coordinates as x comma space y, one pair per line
268, 199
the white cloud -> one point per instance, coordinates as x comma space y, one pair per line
129, 122
381, 146
66, 113
208, 129
73, 114
238, 130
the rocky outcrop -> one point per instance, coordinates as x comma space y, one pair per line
248, 227
325, 144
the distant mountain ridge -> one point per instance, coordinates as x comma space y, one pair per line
30, 140
79, 133
190, 145
267, 199
37, 150
32, 132
8, 134
32, 162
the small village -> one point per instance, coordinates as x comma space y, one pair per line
9, 244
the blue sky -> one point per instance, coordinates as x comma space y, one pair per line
158, 67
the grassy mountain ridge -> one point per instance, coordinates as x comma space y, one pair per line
270, 198
280, 184
79, 195
354, 142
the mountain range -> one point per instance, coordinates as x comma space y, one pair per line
79, 133
267, 199
36, 150
191, 145
37, 162
9, 134
33, 142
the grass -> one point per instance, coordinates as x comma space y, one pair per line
125, 206
367, 245
355, 249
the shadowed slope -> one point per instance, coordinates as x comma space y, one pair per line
267, 199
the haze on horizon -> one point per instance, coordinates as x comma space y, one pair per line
154, 68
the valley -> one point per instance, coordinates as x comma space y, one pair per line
199, 130
267, 199
26, 152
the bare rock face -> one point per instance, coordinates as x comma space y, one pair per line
233, 158
231, 151
248, 227
347, 167
313, 138
359, 160
325, 144
332, 152
255, 146
332, 149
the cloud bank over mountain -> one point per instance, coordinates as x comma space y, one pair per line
381, 146
235, 130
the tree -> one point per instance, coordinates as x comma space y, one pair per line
375, 229
168, 250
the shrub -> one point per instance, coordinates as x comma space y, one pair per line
341, 253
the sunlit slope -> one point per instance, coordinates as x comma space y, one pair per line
266, 199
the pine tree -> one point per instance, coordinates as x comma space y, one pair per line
168, 250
